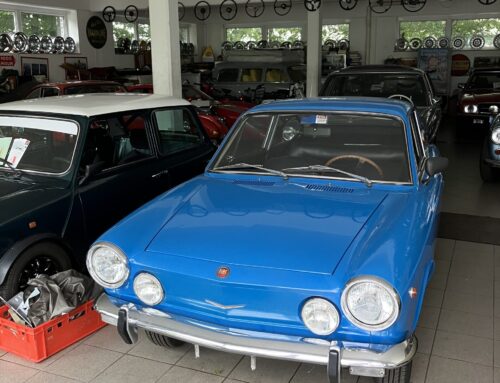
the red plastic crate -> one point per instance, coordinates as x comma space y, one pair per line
39, 343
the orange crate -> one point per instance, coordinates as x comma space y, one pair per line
37, 344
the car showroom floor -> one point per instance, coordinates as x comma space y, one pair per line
458, 332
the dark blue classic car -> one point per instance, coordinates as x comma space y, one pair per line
489, 162
310, 237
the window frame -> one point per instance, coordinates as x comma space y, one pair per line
18, 10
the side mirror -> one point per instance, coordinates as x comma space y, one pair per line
437, 100
461, 85
436, 165
91, 170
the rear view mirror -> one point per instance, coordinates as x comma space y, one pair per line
436, 165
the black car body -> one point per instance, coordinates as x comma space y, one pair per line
394, 81
79, 164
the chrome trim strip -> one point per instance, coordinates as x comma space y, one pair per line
255, 343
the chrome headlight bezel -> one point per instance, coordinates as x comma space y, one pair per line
381, 283
122, 258
330, 305
155, 281
471, 108
495, 136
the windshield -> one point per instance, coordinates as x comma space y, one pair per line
485, 81
378, 85
190, 93
102, 88
37, 144
370, 146
297, 73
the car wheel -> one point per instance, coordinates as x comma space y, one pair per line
488, 173
163, 341
44, 258
397, 375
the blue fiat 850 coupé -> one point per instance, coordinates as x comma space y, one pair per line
310, 238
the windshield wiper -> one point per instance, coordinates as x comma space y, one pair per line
244, 165
10, 165
328, 169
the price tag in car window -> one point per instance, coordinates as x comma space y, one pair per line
321, 119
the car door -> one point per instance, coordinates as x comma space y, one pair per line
119, 171
184, 148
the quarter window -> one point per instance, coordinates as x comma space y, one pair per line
50, 92
251, 75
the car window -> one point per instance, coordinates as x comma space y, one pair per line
251, 75
116, 140
190, 93
275, 75
297, 73
485, 81
378, 85
177, 130
34, 94
228, 75
85, 89
50, 92
417, 140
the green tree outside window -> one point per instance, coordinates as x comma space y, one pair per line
335, 32
42, 25
285, 34
243, 34
7, 22
123, 30
144, 32
422, 29
488, 28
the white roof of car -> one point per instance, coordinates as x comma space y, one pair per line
93, 104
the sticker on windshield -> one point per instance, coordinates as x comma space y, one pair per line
321, 119
19, 146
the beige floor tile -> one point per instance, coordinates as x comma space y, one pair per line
45, 377
131, 369
497, 308
442, 370
466, 323
313, 373
11, 372
38, 366
470, 303
184, 375
109, 339
463, 347
83, 362
497, 273
433, 297
210, 361
466, 285
2, 353
442, 266
146, 349
429, 317
496, 327
425, 338
268, 371
497, 354
472, 269
444, 249
496, 373
481, 252
419, 368
438, 281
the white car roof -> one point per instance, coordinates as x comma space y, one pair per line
93, 104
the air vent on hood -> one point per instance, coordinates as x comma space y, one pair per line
335, 189
255, 183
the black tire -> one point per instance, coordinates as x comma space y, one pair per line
488, 173
163, 341
54, 257
397, 375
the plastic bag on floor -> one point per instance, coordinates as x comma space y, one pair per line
58, 294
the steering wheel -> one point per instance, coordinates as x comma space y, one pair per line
401, 97
361, 160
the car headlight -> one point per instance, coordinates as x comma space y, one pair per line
470, 108
107, 265
495, 136
320, 316
148, 289
370, 303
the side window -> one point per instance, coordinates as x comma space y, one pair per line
116, 140
251, 75
228, 75
35, 94
50, 92
417, 141
178, 130
275, 75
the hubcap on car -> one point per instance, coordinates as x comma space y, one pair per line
39, 265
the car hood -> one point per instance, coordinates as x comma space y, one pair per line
480, 96
282, 225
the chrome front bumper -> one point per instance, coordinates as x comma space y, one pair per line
361, 361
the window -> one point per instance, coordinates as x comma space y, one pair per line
488, 28
285, 34
335, 32
178, 130
228, 75
251, 75
42, 25
123, 30
275, 75
143, 32
50, 92
7, 21
184, 34
422, 29
243, 34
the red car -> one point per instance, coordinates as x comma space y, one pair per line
75, 87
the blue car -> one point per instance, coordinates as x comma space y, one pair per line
489, 162
310, 237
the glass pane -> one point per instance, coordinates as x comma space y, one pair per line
144, 32
228, 75
285, 34
251, 75
178, 131
422, 29
184, 34
243, 34
488, 28
335, 32
42, 25
7, 22
275, 75
123, 30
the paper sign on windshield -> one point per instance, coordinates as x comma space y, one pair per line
321, 119
4, 146
17, 151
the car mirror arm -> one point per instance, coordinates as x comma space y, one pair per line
91, 170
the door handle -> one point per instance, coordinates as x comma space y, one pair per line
160, 174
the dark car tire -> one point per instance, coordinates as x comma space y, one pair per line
488, 173
163, 341
397, 375
55, 254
